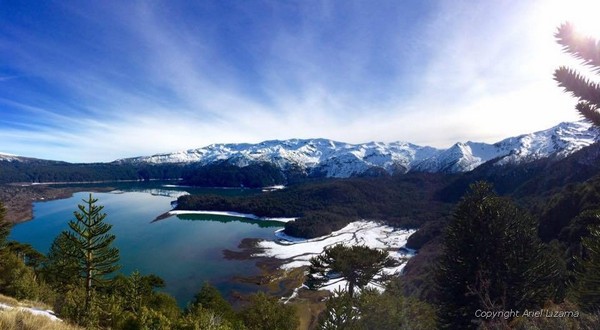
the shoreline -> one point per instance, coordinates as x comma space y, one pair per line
18, 200
283, 262
284, 253
229, 213
294, 252
50, 183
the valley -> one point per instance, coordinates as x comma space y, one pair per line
246, 239
299, 165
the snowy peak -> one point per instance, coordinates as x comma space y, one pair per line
559, 141
461, 157
322, 157
9, 157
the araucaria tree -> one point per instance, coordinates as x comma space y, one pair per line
587, 50
358, 265
587, 285
91, 245
492, 260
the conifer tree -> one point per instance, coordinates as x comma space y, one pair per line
61, 268
587, 50
210, 298
268, 313
492, 260
340, 312
5, 262
358, 265
90, 242
4, 226
587, 285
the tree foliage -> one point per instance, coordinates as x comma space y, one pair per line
4, 226
61, 268
358, 265
225, 174
210, 298
89, 244
587, 285
267, 313
587, 50
328, 205
340, 312
371, 309
492, 260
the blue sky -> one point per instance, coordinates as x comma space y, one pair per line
87, 81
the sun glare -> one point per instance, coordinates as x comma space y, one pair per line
583, 14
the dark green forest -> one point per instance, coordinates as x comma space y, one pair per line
220, 174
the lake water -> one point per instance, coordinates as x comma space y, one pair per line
184, 250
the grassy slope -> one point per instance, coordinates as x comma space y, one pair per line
23, 319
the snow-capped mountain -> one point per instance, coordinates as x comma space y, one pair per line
558, 141
338, 159
9, 157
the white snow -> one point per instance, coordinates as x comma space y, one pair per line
35, 311
296, 252
9, 157
339, 159
231, 214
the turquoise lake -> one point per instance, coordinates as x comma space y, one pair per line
184, 250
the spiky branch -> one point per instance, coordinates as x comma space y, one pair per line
587, 50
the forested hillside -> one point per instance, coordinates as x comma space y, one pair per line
44, 171
324, 206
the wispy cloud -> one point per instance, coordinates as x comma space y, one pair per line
110, 80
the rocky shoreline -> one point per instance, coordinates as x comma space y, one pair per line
279, 282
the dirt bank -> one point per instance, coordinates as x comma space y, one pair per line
18, 199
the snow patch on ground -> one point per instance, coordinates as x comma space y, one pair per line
35, 311
296, 252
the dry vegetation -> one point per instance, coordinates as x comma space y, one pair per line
23, 303
19, 319
22, 320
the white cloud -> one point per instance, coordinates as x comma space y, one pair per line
486, 74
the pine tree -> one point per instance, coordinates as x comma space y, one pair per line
587, 285
492, 260
210, 298
586, 49
4, 232
90, 244
268, 313
340, 312
4, 226
61, 269
358, 265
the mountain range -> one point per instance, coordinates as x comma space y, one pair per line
322, 157
288, 161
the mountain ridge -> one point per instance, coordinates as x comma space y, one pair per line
330, 158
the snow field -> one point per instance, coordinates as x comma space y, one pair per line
296, 252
